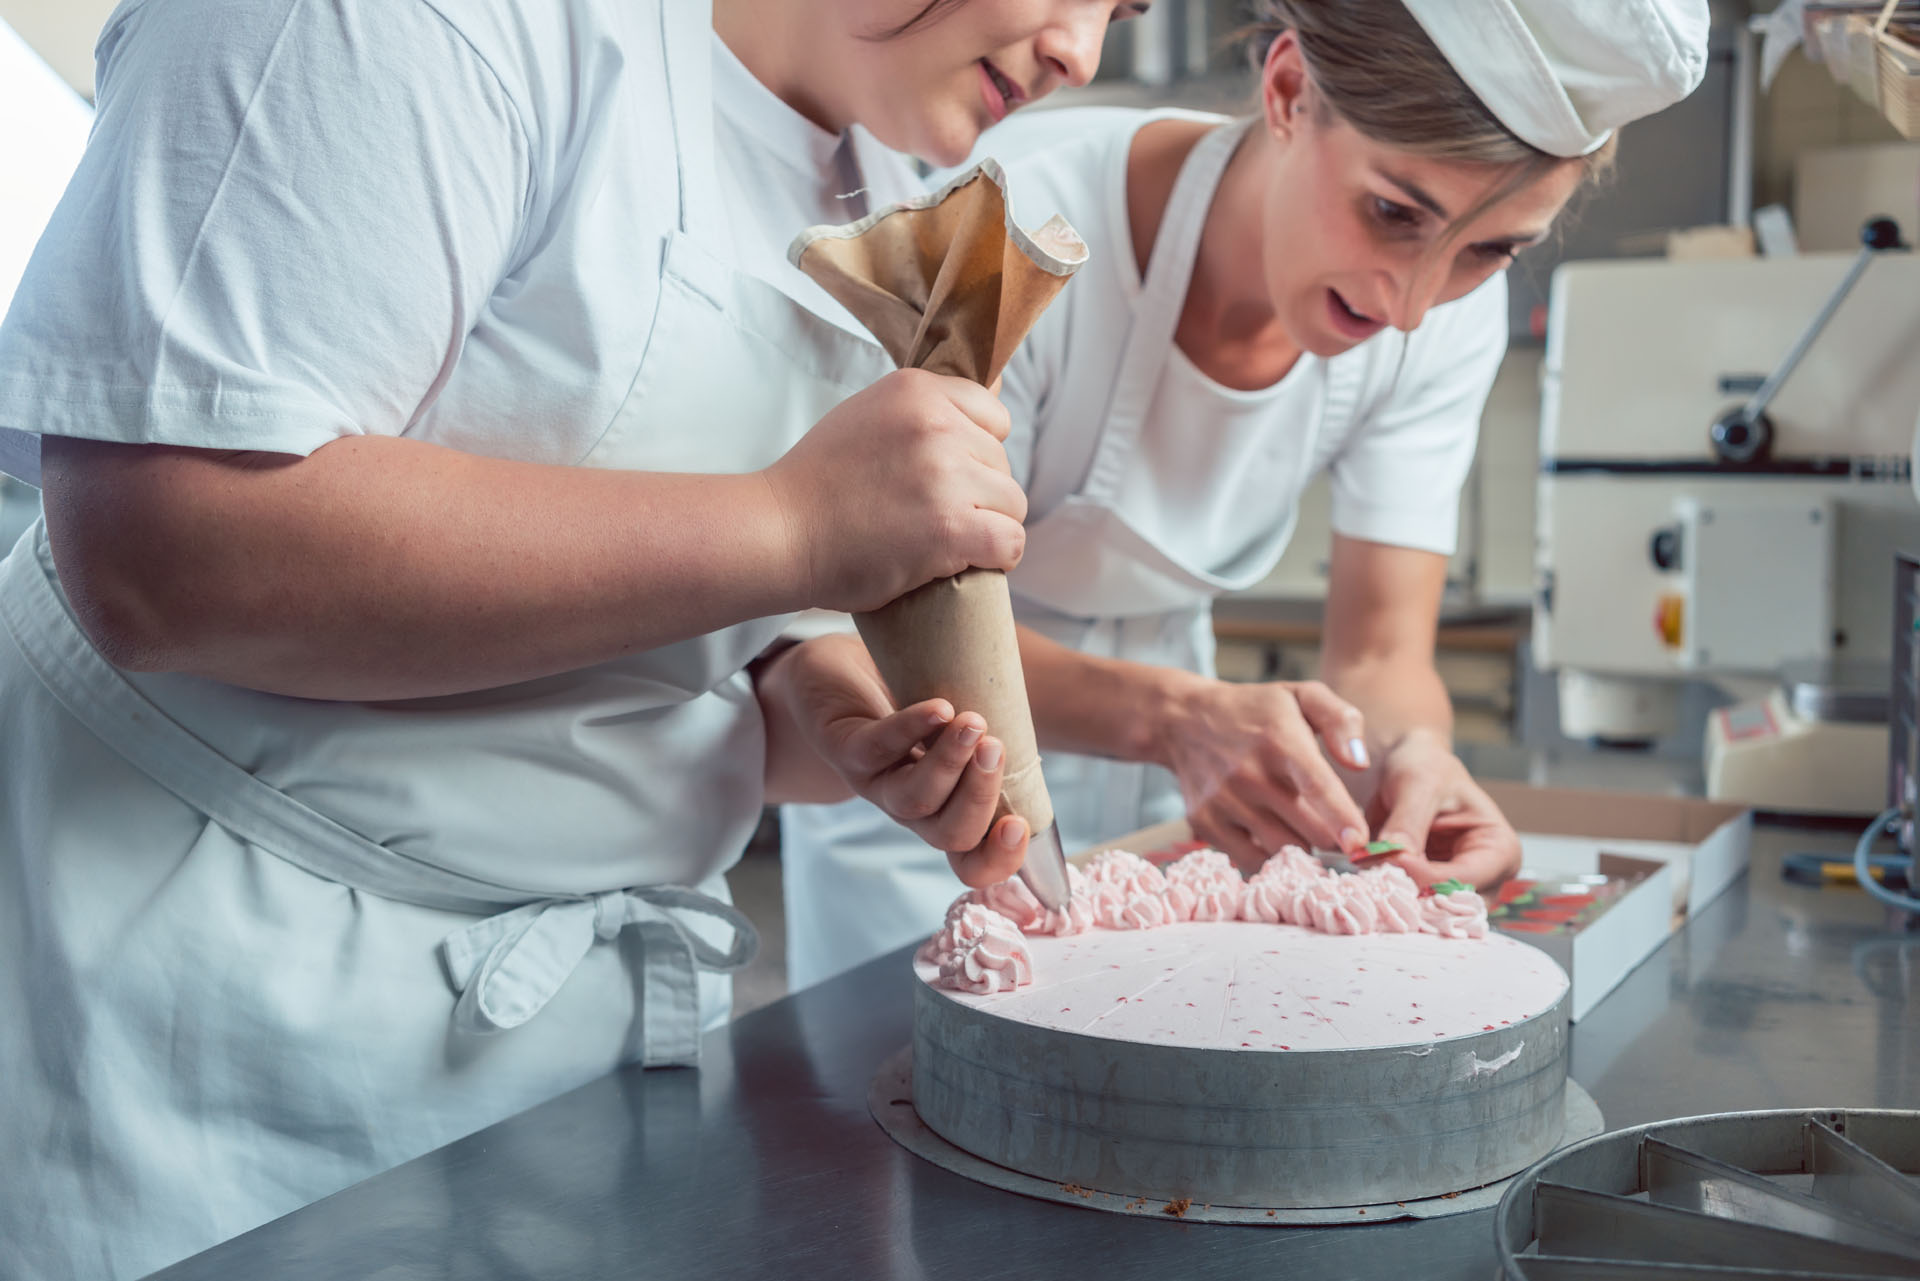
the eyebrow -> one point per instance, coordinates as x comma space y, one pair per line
1415, 194
1526, 241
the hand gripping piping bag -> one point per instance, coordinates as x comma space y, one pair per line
950, 284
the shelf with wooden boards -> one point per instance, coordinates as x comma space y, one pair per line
1877, 54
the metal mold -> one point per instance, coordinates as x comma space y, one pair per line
890, 1100
1301, 1129
1750, 1194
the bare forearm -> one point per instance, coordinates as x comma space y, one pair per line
796, 773
1098, 706
384, 568
1396, 694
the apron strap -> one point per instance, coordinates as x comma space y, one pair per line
686, 37
519, 983
1156, 316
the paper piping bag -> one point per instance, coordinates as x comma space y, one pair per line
950, 284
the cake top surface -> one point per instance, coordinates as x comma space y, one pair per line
1237, 984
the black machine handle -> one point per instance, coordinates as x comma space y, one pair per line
1744, 434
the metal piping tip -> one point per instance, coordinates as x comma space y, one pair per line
1045, 870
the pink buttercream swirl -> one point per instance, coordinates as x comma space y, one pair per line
1292, 863
1393, 896
1459, 915
991, 957
1128, 892
1013, 900
1332, 909
966, 921
1204, 886
980, 949
1125, 871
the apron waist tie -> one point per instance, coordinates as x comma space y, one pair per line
507, 967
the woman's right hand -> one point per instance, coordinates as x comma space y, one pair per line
1250, 766
899, 485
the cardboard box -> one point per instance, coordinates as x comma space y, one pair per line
1623, 870
1599, 915
1706, 842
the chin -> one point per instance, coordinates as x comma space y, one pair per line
940, 136
947, 143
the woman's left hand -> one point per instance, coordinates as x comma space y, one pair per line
1451, 828
933, 770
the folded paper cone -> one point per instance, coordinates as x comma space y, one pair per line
950, 284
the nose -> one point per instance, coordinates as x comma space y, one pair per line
1411, 294
1070, 46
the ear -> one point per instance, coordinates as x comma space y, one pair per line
1283, 86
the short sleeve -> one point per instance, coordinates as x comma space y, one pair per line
1397, 478
287, 220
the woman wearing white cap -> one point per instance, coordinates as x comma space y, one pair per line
1318, 288
426, 412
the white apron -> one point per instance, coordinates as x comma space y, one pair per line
856, 884
220, 1000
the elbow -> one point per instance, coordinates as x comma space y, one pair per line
128, 632
111, 548
120, 608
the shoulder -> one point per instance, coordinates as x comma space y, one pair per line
1072, 161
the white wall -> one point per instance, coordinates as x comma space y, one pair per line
62, 32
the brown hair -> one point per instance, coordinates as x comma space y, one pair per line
1378, 70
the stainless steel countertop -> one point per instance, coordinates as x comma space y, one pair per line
764, 1163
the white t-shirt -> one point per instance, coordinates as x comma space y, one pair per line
260, 259
780, 173
447, 219
1398, 453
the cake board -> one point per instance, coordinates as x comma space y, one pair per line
890, 1101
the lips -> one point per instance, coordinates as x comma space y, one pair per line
1349, 323
1001, 93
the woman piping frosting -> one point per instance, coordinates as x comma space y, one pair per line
1317, 288
432, 433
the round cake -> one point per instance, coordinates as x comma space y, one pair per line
1252, 1057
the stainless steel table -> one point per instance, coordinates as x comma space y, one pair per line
765, 1163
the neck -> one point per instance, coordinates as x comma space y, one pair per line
1227, 300
771, 38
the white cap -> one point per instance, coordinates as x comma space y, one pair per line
1564, 74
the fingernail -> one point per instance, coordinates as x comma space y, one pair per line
969, 735
1352, 838
1357, 749
1012, 833
988, 757
936, 719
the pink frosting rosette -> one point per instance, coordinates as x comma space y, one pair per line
1116, 909
1128, 892
960, 927
1393, 896
992, 957
1264, 899
1013, 900
1461, 914
1077, 916
1292, 863
1126, 871
1204, 886
1332, 908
